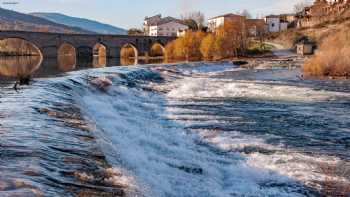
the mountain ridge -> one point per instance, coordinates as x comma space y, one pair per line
12, 20
87, 24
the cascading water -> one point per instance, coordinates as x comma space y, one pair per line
201, 129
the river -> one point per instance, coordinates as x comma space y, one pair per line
190, 129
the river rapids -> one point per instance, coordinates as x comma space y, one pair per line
191, 129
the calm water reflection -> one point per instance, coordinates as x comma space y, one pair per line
99, 62
35, 66
19, 66
66, 63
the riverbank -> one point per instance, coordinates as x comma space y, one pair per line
276, 56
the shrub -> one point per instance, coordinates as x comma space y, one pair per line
207, 47
332, 58
186, 47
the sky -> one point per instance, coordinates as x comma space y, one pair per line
130, 13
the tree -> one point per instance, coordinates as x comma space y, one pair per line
170, 50
231, 39
186, 47
192, 24
207, 47
135, 31
191, 43
246, 14
299, 7
198, 17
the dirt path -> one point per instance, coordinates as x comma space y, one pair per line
281, 51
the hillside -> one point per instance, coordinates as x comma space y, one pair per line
332, 37
11, 20
87, 24
316, 33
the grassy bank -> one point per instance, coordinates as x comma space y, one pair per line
258, 49
332, 58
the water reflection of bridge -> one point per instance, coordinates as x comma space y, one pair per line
35, 66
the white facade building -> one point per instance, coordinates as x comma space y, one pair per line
283, 26
219, 21
275, 24
168, 26
167, 29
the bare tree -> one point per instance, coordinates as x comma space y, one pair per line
299, 7
198, 17
246, 14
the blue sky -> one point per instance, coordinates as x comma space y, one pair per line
130, 13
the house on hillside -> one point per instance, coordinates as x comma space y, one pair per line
290, 19
150, 20
305, 47
275, 24
256, 27
167, 26
218, 21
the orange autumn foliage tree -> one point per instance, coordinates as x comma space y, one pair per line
231, 39
228, 41
186, 47
207, 47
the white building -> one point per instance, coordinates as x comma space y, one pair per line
275, 24
283, 25
168, 26
219, 21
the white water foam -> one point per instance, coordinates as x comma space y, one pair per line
300, 166
308, 169
192, 88
164, 159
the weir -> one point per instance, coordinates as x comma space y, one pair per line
50, 43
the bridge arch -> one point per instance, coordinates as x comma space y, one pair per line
85, 52
100, 50
66, 57
157, 50
66, 49
22, 57
99, 55
129, 51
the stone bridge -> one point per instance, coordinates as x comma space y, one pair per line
49, 43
